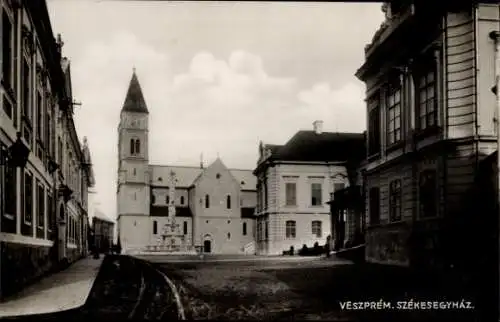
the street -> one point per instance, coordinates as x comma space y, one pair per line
283, 288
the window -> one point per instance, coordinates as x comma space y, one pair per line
393, 104
167, 199
291, 193
228, 235
207, 201
290, 229
428, 193
39, 116
374, 207
60, 151
134, 171
46, 138
185, 228
316, 194
316, 228
6, 49
51, 215
266, 229
40, 198
155, 227
10, 191
182, 200
26, 90
135, 146
395, 200
374, 126
228, 202
426, 97
28, 198
244, 229
153, 198
265, 193
8, 107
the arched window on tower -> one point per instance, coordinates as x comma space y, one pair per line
167, 199
228, 202
207, 201
132, 146
137, 146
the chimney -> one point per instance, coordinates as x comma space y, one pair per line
318, 126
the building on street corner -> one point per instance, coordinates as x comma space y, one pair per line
103, 230
294, 182
45, 171
430, 124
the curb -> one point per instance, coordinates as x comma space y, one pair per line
180, 308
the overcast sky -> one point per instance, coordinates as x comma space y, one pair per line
217, 77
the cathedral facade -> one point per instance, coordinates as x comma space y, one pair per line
214, 205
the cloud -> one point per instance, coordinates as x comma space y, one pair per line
343, 109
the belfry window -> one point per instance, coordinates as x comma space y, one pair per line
135, 146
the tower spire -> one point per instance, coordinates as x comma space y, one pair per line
134, 101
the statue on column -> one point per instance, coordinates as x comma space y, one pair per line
172, 235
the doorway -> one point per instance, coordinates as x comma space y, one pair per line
207, 246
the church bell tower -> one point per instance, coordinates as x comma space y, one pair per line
133, 189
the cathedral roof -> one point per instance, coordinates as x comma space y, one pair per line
186, 176
134, 101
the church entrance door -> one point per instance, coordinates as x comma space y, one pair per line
207, 246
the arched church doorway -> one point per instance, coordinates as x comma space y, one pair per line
207, 246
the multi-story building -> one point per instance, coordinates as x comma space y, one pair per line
103, 229
430, 123
294, 182
35, 101
214, 205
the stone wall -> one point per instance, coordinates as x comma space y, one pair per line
23, 264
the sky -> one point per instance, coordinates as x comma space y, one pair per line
218, 77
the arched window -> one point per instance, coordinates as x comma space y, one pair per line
207, 201
182, 200
167, 199
132, 146
185, 228
137, 146
228, 202
244, 229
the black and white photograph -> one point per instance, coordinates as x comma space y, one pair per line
249, 160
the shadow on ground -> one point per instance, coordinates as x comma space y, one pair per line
279, 292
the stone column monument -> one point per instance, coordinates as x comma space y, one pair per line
172, 236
